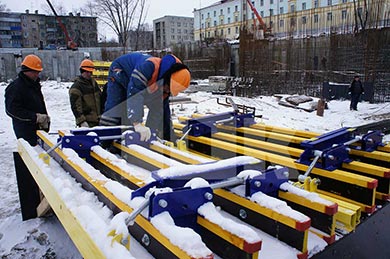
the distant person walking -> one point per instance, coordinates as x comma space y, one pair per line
24, 101
356, 90
85, 97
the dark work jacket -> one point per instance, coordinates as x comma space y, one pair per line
85, 101
23, 100
356, 88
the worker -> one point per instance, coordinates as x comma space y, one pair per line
85, 97
355, 90
24, 101
135, 80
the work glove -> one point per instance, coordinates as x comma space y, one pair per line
144, 132
84, 124
43, 121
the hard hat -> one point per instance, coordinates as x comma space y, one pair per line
180, 81
87, 65
32, 62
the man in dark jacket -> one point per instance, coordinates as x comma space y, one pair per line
356, 89
85, 97
24, 101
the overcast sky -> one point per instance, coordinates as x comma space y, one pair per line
157, 8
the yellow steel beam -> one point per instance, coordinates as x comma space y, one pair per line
141, 156
141, 221
348, 215
105, 64
175, 155
357, 166
234, 240
82, 240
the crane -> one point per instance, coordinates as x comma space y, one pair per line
259, 18
69, 42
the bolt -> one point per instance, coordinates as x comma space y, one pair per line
145, 240
286, 174
208, 196
331, 157
95, 140
163, 203
67, 140
243, 214
257, 184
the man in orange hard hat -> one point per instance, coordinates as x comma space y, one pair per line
85, 97
24, 101
135, 80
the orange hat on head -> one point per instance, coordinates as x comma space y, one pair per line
87, 65
32, 62
180, 81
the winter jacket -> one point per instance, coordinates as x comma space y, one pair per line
23, 100
85, 101
356, 88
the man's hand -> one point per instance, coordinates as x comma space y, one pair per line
84, 124
144, 132
43, 121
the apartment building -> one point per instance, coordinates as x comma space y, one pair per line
169, 30
34, 30
224, 19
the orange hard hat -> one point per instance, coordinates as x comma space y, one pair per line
180, 81
87, 65
32, 62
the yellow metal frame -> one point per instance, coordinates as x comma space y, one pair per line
140, 220
82, 240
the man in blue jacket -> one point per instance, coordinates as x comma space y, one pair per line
135, 80
24, 101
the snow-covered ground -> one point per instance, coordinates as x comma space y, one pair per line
45, 238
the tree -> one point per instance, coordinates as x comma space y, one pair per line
119, 15
3, 7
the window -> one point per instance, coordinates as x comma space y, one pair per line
221, 32
221, 12
202, 25
172, 30
179, 24
215, 13
215, 23
236, 18
281, 10
344, 14
208, 15
261, 2
315, 3
186, 31
262, 13
329, 2
281, 23
202, 17
228, 19
316, 18
172, 37
303, 19
178, 30
329, 16
228, 31
303, 6
292, 7
271, 12
228, 10
185, 24
271, 1
221, 21
236, 8
236, 30
344, 1
208, 34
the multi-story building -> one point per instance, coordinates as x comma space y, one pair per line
141, 40
224, 19
10, 30
169, 30
34, 30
